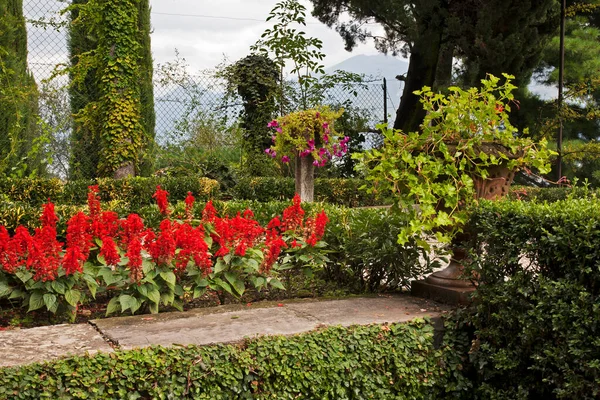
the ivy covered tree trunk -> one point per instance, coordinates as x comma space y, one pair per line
305, 178
111, 94
18, 96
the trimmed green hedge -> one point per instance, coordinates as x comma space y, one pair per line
551, 194
371, 362
344, 192
137, 192
536, 318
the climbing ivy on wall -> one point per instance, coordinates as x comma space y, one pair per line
114, 117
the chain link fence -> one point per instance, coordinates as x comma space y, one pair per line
182, 101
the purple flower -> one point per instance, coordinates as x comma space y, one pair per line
268, 151
316, 163
273, 124
285, 159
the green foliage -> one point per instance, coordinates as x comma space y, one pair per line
289, 44
21, 139
344, 192
254, 78
463, 134
380, 362
535, 318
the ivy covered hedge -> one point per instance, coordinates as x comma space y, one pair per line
379, 362
536, 319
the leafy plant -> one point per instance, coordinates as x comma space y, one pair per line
463, 134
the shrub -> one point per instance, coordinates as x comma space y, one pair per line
535, 316
381, 362
346, 192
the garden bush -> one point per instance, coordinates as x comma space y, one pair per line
550, 194
346, 192
379, 362
536, 313
134, 192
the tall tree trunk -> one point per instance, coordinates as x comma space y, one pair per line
422, 68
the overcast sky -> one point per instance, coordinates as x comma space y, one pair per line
203, 31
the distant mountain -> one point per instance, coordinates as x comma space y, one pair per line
376, 67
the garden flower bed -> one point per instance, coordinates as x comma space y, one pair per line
140, 269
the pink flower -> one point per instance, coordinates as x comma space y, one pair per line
273, 124
285, 159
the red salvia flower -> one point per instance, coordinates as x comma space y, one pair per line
134, 254
192, 244
109, 251
93, 201
133, 226
161, 200
162, 249
105, 224
189, 206
44, 254
79, 234
293, 216
49, 217
209, 213
316, 228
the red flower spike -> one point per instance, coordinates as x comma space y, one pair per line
161, 200
49, 217
134, 254
293, 216
209, 213
189, 206
109, 251
93, 201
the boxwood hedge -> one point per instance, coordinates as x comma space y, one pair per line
536, 318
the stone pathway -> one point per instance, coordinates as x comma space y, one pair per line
224, 324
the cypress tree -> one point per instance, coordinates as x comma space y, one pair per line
146, 87
18, 96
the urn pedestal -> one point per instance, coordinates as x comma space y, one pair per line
450, 285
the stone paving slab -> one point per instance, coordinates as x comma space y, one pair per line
225, 325
25, 346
